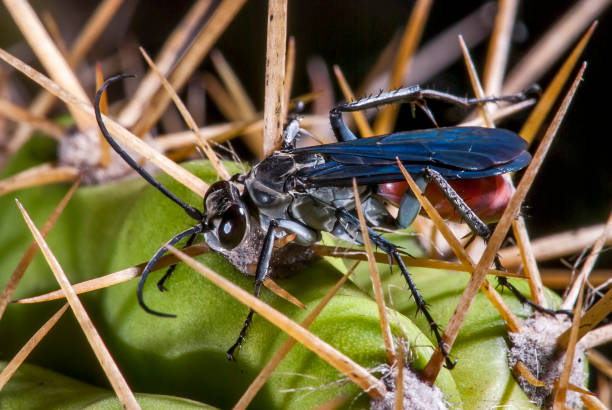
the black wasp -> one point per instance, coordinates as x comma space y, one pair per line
304, 191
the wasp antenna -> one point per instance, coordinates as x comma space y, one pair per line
191, 211
191, 232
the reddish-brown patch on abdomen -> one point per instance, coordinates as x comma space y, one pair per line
487, 197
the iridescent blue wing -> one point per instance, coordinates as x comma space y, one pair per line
456, 152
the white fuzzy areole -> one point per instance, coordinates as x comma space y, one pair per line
536, 347
82, 150
417, 394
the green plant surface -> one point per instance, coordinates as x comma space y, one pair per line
111, 227
481, 373
33, 387
209, 321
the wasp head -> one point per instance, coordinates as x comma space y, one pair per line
226, 218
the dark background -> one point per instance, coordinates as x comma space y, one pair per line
575, 185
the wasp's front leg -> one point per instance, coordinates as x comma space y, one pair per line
263, 265
305, 236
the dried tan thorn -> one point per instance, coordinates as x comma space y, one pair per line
344, 364
521, 369
433, 57
539, 113
556, 245
114, 278
513, 322
276, 47
172, 121
378, 76
379, 295
399, 379
289, 74
28, 256
105, 157
125, 395
284, 241
89, 34
324, 250
530, 265
433, 250
218, 133
597, 337
19, 114
183, 70
561, 278
385, 120
591, 318
279, 355
236, 90
220, 97
91, 285
494, 71
553, 44
23, 353
54, 32
500, 113
362, 123
50, 57
499, 47
182, 154
478, 277
476, 86
561, 386
241, 104
174, 170
600, 362
94, 26
334, 403
321, 84
604, 389
195, 100
283, 293
210, 154
223, 132
581, 390
165, 60
43, 174
305, 98
592, 402
587, 266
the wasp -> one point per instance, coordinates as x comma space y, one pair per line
306, 191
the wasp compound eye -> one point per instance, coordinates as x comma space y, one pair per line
233, 227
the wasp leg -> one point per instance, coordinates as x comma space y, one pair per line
481, 229
410, 206
413, 95
171, 268
474, 222
290, 134
158, 255
503, 282
262, 271
352, 226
